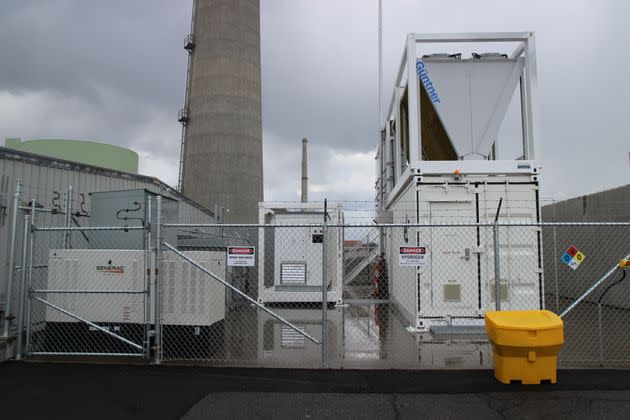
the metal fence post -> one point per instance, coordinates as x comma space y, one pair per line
555, 256
324, 291
23, 291
599, 333
158, 281
29, 278
497, 259
147, 283
8, 297
497, 267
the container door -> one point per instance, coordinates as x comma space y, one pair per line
519, 250
449, 286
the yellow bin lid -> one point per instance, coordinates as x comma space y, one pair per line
523, 320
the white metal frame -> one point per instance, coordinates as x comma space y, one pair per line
526, 50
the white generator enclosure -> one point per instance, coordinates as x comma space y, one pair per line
94, 270
190, 297
449, 155
291, 258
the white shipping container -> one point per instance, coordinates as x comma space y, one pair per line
290, 258
457, 285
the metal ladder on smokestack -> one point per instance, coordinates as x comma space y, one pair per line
183, 116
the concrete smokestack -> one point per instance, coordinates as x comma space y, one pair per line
223, 142
304, 171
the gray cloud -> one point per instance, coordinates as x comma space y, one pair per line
115, 71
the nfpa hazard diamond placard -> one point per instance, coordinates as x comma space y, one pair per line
573, 257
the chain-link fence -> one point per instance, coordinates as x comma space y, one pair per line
246, 294
80, 290
397, 296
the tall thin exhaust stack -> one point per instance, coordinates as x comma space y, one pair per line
304, 171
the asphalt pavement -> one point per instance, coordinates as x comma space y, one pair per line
107, 391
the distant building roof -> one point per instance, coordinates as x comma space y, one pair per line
36, 159
92, 153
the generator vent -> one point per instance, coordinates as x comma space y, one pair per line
291, 339
169, 306
293, 273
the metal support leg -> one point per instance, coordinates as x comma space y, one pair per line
497, 268
158, 282
6, 330
23, 291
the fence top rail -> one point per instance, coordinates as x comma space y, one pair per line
87, 228
88, 291
394, 225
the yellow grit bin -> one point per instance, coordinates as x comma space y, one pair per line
525, 345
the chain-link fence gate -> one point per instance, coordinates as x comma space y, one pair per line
82, 290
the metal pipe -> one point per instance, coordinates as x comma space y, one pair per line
497, 268
590, 289
555, 257
29, 277
386, 225
91, 324
237, 291
42, 210
147, 283
91, 228
23, 292
6, 331
380, 64
599, 331
158, 279
66, 221
53, 353
304, 198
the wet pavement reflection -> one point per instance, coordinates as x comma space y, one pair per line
360, 335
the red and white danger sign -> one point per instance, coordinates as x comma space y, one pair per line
241, 256
413, 256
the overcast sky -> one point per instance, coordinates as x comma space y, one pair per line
115, 72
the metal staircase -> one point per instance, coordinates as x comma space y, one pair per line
364, 253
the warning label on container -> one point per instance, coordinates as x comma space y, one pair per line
241, 256
413, 256
573, 258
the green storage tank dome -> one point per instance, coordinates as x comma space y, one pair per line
87, 152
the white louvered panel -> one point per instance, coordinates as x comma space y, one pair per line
293, 273
291, 339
